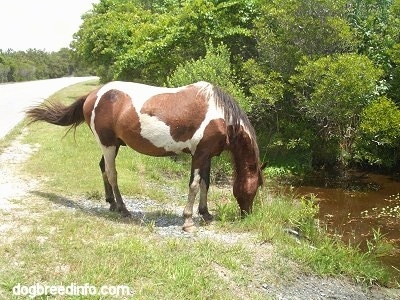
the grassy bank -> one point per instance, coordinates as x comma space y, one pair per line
63, 246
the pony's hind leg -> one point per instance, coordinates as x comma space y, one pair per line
107, 186
109, 154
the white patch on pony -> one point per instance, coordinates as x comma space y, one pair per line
109, 160
158, 133
139, 93
92, 117
196, 179
207, 90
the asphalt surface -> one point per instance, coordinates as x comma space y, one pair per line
15, 98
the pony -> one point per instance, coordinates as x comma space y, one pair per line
199, 119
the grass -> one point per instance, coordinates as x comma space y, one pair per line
63, 246
61, 253
310, 246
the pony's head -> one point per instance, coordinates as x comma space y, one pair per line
248, 177
243, 146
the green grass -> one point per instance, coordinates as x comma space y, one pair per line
62, 246
315, 250
99, 251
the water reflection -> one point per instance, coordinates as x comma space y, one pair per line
355, 204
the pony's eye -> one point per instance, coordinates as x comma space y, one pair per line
252, 167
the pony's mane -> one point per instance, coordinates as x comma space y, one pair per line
233, 114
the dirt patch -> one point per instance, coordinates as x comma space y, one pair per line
166, 221
12, 184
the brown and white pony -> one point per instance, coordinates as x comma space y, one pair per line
199, 119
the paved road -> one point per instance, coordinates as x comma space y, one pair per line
16, 97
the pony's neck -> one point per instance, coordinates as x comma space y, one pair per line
244, 152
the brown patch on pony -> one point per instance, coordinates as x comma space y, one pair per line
106, 113
214, 138
183, 112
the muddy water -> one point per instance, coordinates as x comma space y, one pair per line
354, 204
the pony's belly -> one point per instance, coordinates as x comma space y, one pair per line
164, 137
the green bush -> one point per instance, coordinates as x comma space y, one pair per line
333, 91
215, 68
378, 137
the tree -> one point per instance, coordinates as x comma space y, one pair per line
135, 40
288, 30
108, 32
334, 90
35, 64
377, 24
304, 70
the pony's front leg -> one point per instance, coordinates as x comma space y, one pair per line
204, 186
203, 208
194, 187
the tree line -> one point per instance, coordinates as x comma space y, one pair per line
35, 64
320, 79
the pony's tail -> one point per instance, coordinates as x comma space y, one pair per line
58, 114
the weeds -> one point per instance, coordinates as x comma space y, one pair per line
379, 246
227, 211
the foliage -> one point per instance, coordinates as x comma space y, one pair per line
334, 90
36, 64
138, 41
288, 30
215, 68
379, 134
106, 34
265, 90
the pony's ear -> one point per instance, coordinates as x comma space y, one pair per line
263, 166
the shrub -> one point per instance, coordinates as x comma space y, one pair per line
215, 68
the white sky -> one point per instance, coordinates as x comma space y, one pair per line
41, 24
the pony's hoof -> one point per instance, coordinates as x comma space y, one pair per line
124, 212
189, 228
113, 207
207, 218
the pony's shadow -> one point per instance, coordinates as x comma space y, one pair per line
157, 217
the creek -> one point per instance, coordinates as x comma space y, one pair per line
358, 206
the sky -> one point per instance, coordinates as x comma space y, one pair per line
40, 24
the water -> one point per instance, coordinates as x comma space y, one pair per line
355, 204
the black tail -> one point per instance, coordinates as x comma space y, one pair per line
58, 114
